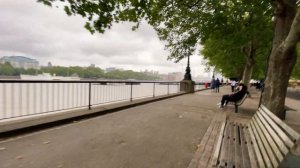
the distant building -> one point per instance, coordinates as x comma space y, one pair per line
49, 64
174, 76
110, 69
20, 62
92, 65
150, 72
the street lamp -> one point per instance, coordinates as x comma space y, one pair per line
187, 75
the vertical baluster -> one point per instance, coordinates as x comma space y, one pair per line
12, 100
20, 99
168, 88
77, 94
35, 99
131, 91
106, 93
123, 91
73, 95
81, 94
47, 96
154, 89
109, 93
28, 99
63, 96
4, 100
93, 95
53, 96
99, 93
58, 97
102, 93
41, 97
68, 95
113, 87
90, 95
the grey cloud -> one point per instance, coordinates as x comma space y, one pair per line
48, 34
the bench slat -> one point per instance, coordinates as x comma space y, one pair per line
267, 146
237, 153
260, 145
225, 147
231, 152
250, 145
273, 139
209, 147
256, 148
244, 150
278, 130
216, 154
295, 136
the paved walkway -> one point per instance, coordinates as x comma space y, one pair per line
292, 102
162, 134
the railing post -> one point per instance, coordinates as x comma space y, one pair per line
131, 91
153, 89
168, 88
90, 95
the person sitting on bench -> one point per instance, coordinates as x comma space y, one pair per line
241, 91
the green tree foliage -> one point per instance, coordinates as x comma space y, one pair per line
235, 27
83, 72
7, 70
129, 74
218, 52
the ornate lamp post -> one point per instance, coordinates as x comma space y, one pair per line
187, 75
187, 85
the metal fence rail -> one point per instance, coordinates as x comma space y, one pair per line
24, 97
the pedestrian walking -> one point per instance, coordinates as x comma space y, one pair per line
232, 83
217, 85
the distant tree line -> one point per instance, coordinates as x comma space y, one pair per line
83, 72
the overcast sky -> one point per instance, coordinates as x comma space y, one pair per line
47, 34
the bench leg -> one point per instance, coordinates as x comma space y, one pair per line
236, 108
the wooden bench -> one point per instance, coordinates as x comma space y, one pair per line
265, 141
239, 102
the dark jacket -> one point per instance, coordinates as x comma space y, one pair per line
238, 95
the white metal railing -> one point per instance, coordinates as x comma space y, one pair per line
22, 98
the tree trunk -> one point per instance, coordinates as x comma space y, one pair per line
250, 61
283, 56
